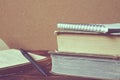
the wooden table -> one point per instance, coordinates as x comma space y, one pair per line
32, 74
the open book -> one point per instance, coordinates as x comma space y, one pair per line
12, 61
13, 57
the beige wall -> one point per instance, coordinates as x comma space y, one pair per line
30, 24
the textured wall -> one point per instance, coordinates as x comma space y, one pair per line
30, 24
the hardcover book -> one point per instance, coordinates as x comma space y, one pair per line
95, 67
88, 42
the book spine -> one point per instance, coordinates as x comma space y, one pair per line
83, 27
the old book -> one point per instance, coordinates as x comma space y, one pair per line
85, 66
88, 43
13, 60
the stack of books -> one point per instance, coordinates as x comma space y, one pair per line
87, 50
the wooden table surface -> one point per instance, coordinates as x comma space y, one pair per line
32, 74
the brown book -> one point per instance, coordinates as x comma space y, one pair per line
88, 42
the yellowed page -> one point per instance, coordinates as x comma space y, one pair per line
3, 45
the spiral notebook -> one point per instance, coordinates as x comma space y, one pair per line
100, 28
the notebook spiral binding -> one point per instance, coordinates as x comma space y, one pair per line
83, 27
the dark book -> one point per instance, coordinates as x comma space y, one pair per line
98, 67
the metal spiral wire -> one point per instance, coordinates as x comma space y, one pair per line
83, 27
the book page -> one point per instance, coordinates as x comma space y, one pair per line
3, 45
13, 57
